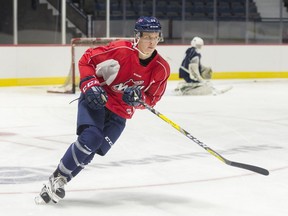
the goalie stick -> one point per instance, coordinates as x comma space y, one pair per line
208, 149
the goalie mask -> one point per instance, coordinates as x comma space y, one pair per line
197, 42
147, 24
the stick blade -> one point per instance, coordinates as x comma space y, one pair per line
252, 168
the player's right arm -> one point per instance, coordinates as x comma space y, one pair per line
86, 65
90, 86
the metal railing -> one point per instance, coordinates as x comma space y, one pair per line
183, 20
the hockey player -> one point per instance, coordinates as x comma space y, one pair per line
193, 72
113, 79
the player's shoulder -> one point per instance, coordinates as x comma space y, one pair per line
162, 60
120, 44
190, 49
162, 67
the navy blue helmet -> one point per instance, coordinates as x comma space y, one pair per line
147, 24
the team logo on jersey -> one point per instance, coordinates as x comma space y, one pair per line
122, 86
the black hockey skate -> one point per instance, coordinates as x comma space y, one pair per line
53, 190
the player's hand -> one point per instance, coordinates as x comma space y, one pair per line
95, 95
132, 95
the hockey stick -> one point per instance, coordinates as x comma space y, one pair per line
211, 151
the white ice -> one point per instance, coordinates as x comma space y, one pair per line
152, 170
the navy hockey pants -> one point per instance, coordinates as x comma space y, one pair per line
97, 131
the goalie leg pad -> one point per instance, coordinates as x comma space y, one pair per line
202, 88
182, 86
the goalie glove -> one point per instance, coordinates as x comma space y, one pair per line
206, 72
95, 95
132, 95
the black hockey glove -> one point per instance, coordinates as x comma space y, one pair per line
132, 95
95, 95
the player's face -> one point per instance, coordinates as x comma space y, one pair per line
148, 42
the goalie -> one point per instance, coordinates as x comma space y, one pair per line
193, 72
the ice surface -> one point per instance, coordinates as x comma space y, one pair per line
152, 169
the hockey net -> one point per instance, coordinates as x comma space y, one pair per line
78, 47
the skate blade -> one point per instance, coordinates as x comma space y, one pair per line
39, 201
42, 198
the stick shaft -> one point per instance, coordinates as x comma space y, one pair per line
208, 149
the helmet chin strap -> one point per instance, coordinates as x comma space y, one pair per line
135, 43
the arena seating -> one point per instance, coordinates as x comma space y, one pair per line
194, 9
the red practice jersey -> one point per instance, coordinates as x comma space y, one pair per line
118, 65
